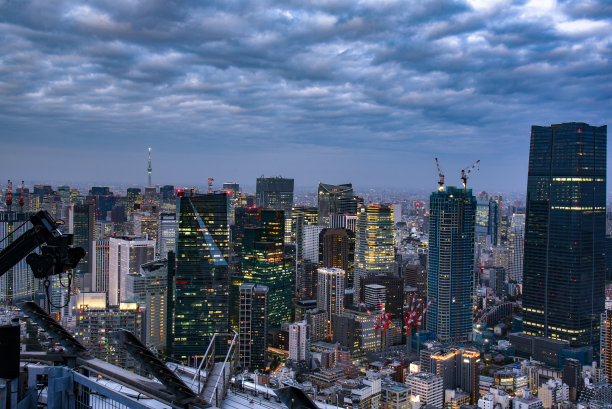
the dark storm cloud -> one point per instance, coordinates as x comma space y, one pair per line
406, 79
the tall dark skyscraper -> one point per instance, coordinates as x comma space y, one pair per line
564, 262
103, 199
82, 225
335, 199
274, 193
450, 281
201, 298
264, 263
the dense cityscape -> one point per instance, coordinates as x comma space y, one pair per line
190, 296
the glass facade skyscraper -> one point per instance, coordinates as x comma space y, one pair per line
564, 259
201, 293
450, 281
374, 243
264, 263
276, 193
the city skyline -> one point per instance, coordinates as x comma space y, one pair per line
367, 91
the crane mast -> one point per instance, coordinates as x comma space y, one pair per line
441, 175
465, 174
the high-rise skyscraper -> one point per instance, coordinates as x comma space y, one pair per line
337, 249
564, 261
606, 342
299, 345
516, 247
264, 262
334, 199
82, 225
330, 294
126, 255
276, 193
201, 294
450, 281
233, 191
167, 229
253, 326
103, 199
374, 248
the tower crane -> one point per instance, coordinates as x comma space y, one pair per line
465, 173
441, 175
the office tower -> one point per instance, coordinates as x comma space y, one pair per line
426, 388
606, 342
374, 296
374, 243
82, 226
101, 257
264, 263
416, 276
330, 294
301, 216
126, 255
18, 282
146, 222
392, 295
495, 217
201, 299
337, 250
149, 288
133, 197
276, 193
166, 235
444, 364
307, 277
103, 199
517, 241
233, 191
564, 255
365, 338
450, 280
310, 243
332, 199
95, 321
151, 197
299, 344
468, 373
167, 193
253, 327
64, 193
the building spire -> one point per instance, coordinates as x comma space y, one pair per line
149, 169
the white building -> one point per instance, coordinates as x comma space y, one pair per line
330, 294
426, 388
166, 235
299, 346
553, 393
527, 401
126, 255
310, 243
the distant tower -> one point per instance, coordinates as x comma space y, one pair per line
149, 169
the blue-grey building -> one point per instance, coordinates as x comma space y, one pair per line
564, 261
450, 281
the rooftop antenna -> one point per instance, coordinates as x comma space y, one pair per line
465, 174
9, 195
210, 186
441, 175
149, 169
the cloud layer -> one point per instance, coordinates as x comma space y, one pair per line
378, 86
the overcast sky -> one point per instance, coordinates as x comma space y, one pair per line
367, 91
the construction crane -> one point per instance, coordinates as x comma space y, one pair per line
441, 175
9, 195
210, 185
465, 173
